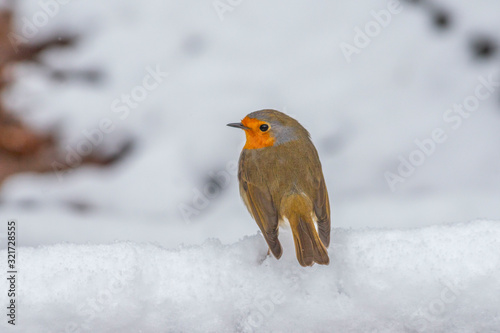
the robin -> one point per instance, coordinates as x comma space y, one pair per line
281, 181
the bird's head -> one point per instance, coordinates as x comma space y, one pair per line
267, 128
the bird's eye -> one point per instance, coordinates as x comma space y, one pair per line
264, 127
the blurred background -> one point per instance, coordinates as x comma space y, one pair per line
113, 113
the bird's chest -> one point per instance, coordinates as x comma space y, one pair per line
269, 167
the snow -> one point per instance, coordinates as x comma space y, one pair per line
433, 279
407, 260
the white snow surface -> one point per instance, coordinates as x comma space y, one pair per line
433, 279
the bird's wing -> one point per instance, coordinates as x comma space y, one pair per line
322, 210
260, 204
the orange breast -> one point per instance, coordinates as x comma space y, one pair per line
255, 137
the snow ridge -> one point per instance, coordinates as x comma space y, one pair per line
432, 279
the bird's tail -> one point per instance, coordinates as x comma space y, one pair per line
308, 246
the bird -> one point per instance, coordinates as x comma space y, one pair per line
281, 182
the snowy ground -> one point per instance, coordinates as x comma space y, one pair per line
200, 72
433, 279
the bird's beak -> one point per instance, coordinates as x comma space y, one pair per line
238, 125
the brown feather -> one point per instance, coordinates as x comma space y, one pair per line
308, 246
322, 210
260, 206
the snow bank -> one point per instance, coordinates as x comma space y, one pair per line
433, 279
